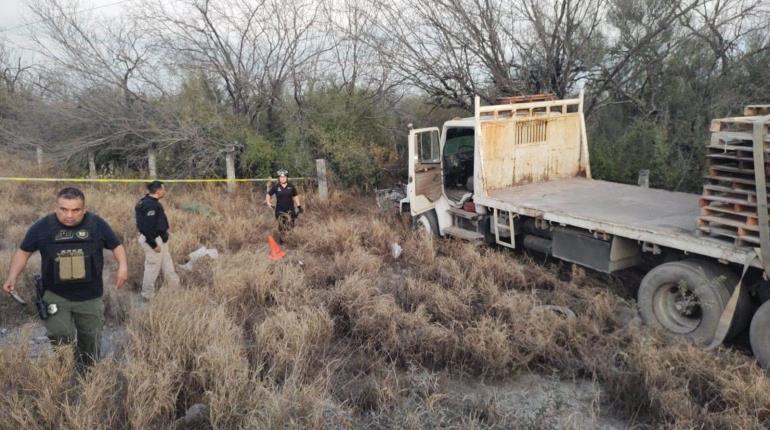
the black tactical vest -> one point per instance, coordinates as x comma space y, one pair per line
71, 253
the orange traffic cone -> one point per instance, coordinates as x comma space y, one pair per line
275, 250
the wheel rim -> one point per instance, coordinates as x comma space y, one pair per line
677, 308
423, 224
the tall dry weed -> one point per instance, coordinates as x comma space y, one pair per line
101, 399
248, 281
32, 392
444, 305
293, 342
296, 405
182, 350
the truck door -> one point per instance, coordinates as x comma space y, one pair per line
425, 176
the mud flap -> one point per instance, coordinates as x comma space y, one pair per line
726, 319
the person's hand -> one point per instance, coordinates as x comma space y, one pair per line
156, 249
9, 286
270, 205
120, 277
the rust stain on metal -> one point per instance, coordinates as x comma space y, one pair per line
530, 149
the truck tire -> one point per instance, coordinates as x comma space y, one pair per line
426, 222
686, 298
759, 335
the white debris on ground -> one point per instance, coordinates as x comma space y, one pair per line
395, 250
197, 255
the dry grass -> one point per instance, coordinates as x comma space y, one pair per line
293, 343
33, 393
341, 335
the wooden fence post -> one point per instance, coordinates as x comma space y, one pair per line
323, 189
91, 165
230, 165
644, 178
39, 156
151, 162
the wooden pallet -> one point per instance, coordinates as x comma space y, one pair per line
728, 205
735, 139
735, 215
543, 97
728, 233
729, 195
722, 222
756, 110
728, 180
737, 125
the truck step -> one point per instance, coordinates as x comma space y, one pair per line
462, 233
464, 214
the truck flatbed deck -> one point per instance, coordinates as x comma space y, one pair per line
649, 215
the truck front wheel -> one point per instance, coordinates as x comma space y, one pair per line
686, 298
426, 222
759, 335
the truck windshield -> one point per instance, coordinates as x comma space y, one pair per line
458, 140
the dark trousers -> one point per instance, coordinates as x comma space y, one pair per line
79, 322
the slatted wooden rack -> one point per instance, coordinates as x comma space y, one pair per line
729, 200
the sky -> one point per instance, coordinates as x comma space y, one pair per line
14, 14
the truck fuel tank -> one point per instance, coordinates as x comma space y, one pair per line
581, 247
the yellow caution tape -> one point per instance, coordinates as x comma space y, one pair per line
137, 181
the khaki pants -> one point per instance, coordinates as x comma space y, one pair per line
154, 263
76, 320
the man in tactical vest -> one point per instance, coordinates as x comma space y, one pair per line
153, 227
70, 242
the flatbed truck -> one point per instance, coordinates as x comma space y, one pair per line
518, 175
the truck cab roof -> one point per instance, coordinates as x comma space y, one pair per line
469, 122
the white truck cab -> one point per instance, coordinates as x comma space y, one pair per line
441, 172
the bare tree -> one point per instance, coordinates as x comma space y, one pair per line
94, 55
652, 33
11, 70
724, 24
454, 49
351, 63
104, 89
253, 48
450, 49
93, 84
561, 43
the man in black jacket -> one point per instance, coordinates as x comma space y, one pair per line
287, 205
153, 227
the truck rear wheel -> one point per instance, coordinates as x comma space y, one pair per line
686, 298
759, 335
